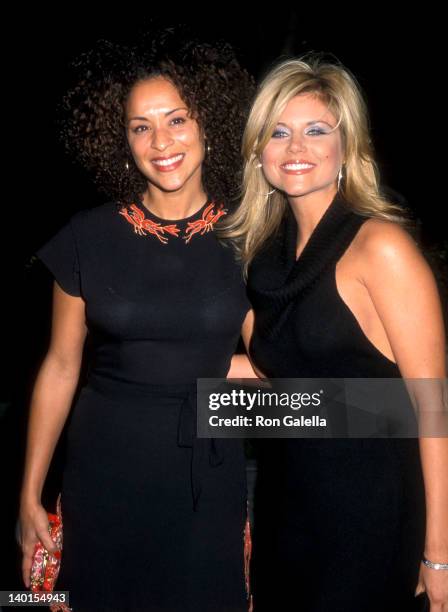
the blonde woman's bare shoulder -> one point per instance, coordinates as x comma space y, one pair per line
383, 245
382, 238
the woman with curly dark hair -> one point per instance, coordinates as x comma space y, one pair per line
154, 517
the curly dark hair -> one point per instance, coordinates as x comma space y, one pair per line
209, 79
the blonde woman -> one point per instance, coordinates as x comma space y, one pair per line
339, 289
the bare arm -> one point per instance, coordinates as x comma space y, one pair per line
50, 405
405, 296
242, 365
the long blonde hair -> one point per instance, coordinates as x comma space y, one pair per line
259, 214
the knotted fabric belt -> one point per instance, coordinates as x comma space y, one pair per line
202, 449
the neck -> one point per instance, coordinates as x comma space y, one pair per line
174, 204
308, 210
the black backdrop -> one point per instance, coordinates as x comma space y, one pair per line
391, 58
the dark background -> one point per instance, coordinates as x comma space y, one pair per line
391, 58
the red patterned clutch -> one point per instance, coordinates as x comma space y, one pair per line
45, 566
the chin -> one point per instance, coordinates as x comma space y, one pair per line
295, 194
170, 186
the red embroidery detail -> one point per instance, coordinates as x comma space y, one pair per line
144, 226
141, 224
205, 223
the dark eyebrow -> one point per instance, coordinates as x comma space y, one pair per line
166, 114
310, 123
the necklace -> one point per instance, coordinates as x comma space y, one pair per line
146, 227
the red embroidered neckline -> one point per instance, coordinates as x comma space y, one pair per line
144, 226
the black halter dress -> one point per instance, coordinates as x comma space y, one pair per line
339, 523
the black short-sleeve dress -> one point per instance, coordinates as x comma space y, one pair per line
153, 516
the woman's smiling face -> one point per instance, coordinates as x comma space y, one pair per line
305, 152
165, 141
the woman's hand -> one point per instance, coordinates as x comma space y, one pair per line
34, 527
435, 583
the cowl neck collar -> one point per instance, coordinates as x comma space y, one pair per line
277, 279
